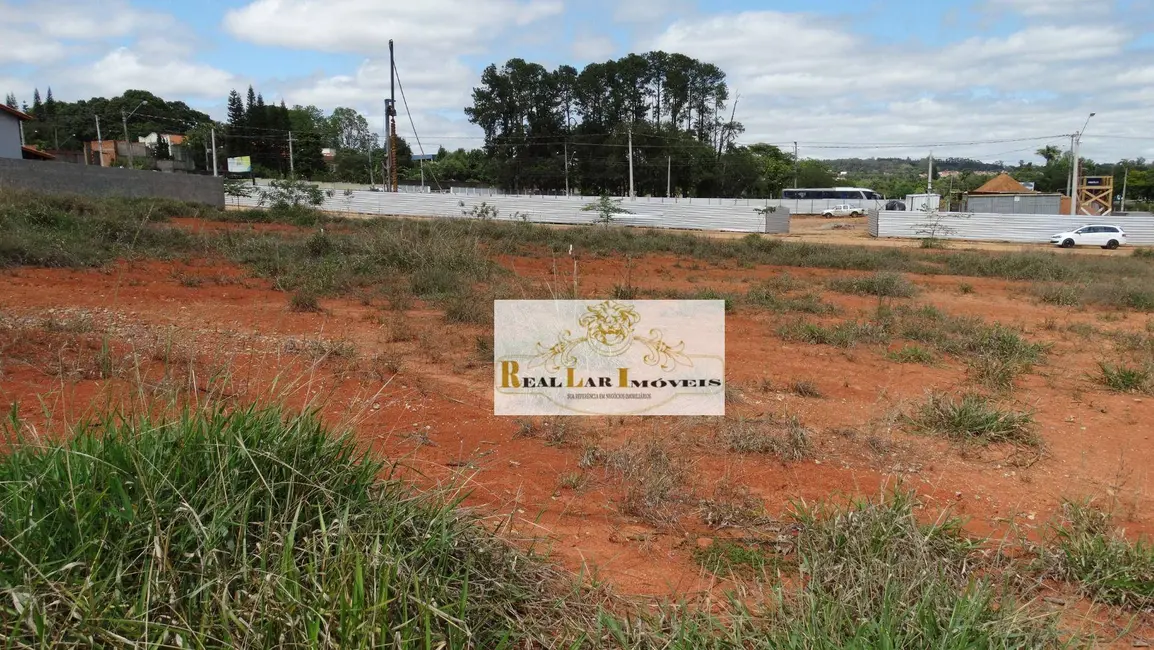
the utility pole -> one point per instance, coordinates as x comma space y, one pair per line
930, 177
391, 114
292, 166
795, 164
372, 183
1076, 197
631, 193
127, 144
214, 167
100, 141
668, 177
566, 165
1124, 180
1070, 172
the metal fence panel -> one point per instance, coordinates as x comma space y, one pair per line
1031, 204
1024, 228
700, 214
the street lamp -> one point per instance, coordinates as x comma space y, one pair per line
1075, 193
124, 121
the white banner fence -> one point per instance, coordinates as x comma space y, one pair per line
734, 215
1024, 228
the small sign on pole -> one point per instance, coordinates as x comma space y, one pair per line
240, 165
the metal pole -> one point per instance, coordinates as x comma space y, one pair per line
1075, 199
214, 167
372, 182
292, 166
124, 120
631, 193
795, 164
422, 174
930, 177
566, 166
100, 141
1070, 172
668, 177
1124, 181
391, 114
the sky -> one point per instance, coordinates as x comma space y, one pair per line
988, 79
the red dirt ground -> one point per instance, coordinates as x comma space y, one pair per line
209, 325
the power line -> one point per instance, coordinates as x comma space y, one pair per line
401, 86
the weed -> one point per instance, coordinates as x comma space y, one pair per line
789, 442
804, 388
304, 300
965, 288
234, 525
655, 479
572, 480
731, 505
912, 354
1087, 549
727, 557
1124, 378
874, 576
888, 285
1064, 295
974, 418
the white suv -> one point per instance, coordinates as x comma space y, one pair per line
1102, 235
842, 210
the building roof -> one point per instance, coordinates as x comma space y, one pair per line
1003, 184
20, 115
34, 153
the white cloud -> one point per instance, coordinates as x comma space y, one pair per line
1051, 7
365, 26
588, 48
123, 69
20, 46
847, 89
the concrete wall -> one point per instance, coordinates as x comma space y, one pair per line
91, 180
9, 137
1025, 228
1015, 204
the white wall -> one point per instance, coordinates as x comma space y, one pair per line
9, 137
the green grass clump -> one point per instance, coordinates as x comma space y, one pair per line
1064, 295
244, 529
974, 418
876, 577
768, 295
729, 557
887, 285
1088, 550
1125, 378
846, 334
912, 354
304, 300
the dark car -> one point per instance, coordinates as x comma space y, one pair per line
895, 205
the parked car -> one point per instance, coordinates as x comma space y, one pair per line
843, 210
895, 205
1103, 235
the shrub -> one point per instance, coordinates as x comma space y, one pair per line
912, 354
304, 300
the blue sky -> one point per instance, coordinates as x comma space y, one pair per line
843, 77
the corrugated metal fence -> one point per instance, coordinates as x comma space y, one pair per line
1025, 228
701, 214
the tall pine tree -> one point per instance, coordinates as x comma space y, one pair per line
10, 101
37, 105
49, 106
236, 143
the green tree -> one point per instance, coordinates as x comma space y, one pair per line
814, 173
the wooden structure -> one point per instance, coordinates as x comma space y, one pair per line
1096, 196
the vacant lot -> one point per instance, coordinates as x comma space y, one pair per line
870, 390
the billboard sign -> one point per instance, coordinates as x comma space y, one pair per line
240, 165
609, 357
